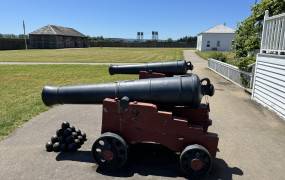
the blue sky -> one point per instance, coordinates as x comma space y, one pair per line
123, 18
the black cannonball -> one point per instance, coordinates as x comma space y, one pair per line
72, 147
67, 132
59, 132
63, 147
83, 134
69, 139
78, 131
80, 138
65, 125
72, 128
54, 139
49, 146
78, 143
61, 140
74, 135
56, 147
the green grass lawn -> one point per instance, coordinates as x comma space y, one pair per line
21, 85
109, 55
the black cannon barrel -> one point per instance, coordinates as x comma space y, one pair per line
170, 68
177, 90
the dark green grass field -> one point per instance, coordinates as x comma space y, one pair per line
89, 55
21, 85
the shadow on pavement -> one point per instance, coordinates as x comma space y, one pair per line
81, 156
222, 171
153, 159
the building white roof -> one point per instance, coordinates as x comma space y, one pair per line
219, 29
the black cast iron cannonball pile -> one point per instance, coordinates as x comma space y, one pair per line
67, 139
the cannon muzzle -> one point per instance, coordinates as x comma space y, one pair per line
169, 68
177, 90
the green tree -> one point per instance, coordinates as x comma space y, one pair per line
188, 39
248, 33
169, 40
22, 36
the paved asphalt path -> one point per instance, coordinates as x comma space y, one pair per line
252, 142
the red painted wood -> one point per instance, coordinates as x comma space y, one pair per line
145, 122
147, 75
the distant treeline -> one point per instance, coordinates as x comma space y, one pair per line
189, 42
13, 36
13, 42
141, 44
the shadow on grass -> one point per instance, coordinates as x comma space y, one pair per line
152, 159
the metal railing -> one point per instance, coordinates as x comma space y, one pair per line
273, 34
232, 73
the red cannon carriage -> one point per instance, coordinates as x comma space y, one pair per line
182, 130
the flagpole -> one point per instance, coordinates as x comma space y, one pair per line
24, 27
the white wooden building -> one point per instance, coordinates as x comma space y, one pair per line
218, 38
269, 79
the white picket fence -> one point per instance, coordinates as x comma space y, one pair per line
231, 73
273, 34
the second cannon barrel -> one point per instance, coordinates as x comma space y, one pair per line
169, 68
177, 90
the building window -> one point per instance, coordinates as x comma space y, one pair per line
208, 43
218, 43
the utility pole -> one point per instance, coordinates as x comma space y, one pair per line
24, 27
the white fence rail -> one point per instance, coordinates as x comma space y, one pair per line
232, 73
273, 34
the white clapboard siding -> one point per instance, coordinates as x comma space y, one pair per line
269, 82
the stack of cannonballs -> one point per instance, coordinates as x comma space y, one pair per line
67, 139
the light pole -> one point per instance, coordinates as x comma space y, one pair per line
24, 27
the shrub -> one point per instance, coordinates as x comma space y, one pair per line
243, 65
218, 56
245, 62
